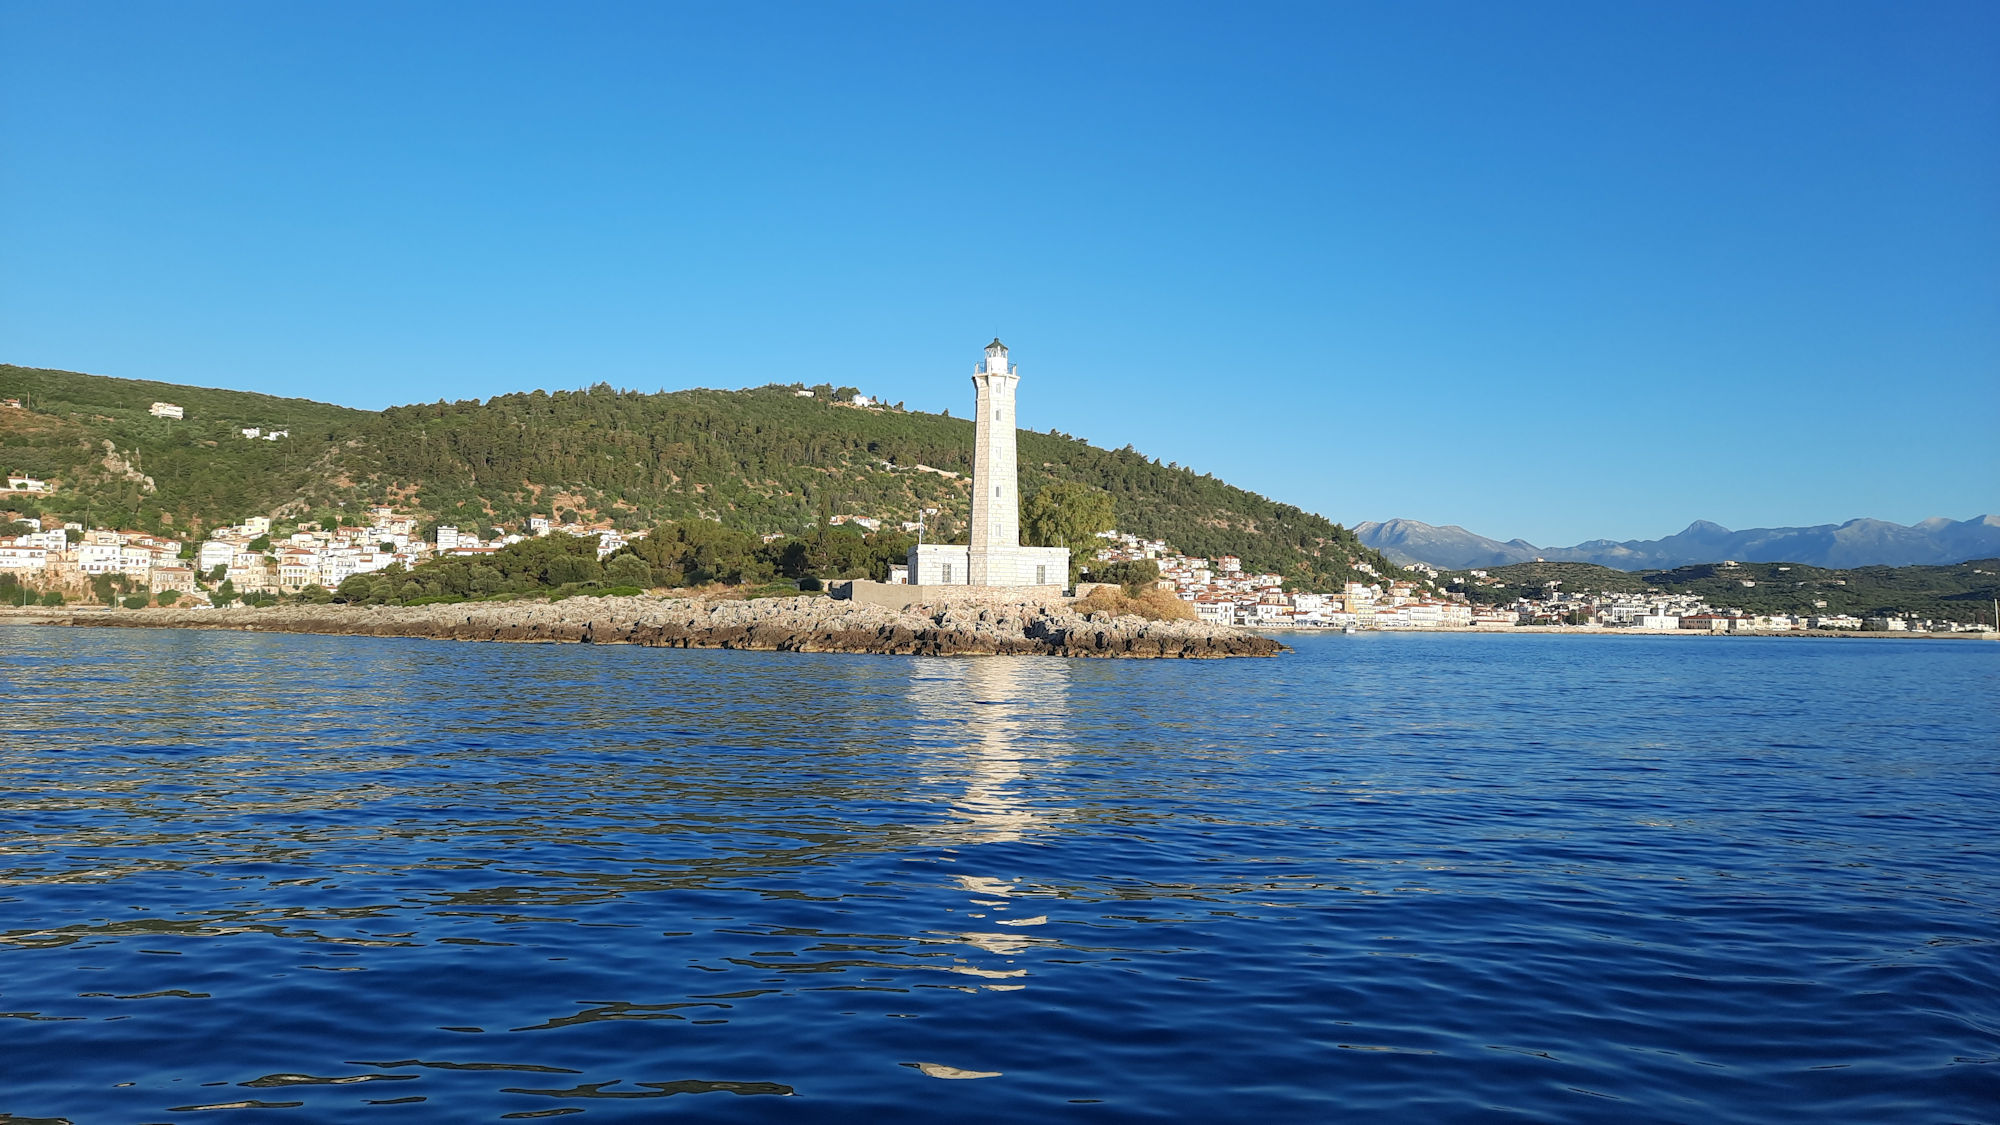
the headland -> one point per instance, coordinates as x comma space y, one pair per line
803, 624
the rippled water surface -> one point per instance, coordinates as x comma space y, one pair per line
1385, 877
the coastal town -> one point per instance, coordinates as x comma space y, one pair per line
1223, 593
248, 561
257, 562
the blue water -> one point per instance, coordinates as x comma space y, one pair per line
1450, 878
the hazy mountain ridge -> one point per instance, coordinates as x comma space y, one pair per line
1450, 546
1860, 542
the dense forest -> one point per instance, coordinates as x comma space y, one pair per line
762, 460
1963, 592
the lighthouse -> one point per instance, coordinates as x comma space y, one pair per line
996, 503
993, 555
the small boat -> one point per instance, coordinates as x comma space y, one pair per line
1349, 629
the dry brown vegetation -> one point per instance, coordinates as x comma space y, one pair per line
712, 591
1153, 605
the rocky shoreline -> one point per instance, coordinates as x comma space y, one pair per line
803, 624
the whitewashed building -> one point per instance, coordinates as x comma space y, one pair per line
216, 552
24, 558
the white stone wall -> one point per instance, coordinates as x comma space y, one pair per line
929, 563
1028, 566
1011, 566
892, 596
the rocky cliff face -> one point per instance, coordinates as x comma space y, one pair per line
769, 624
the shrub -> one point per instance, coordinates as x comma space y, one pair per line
718, 592
809, 584
1140, 572
1153, 605
136, 601
568, 570
773, 590
628, 570
167, 597
52, 599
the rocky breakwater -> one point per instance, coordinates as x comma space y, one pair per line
768, 624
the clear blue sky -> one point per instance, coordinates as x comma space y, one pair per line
1550, 270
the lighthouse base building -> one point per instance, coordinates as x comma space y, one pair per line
994, 556
948, 564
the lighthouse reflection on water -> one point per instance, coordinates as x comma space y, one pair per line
1004, 716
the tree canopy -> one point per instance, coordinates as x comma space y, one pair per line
1066, 514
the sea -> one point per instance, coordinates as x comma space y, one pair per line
1380, 878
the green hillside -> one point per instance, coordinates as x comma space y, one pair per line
763, 460
119, 465
1963, 592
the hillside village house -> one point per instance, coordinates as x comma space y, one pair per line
297, 570
27, 484
164, 410
23, 558
178, 579
214, 553
128, 553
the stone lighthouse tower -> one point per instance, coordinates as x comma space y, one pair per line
992, 554
996, 502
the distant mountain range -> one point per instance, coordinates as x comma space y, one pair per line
1932, 542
